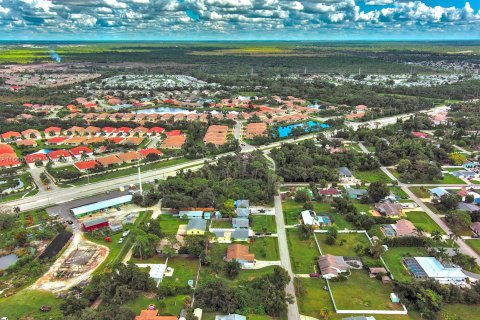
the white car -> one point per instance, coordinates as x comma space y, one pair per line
120, 241
126, 233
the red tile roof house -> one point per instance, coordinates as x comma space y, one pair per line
93, 131
146, 152
8, 157
173, 133
56, 141
59, 155
330, 192
139, 131
123, 131
110, 160
26, 143
130, 156
31, 134
85, 165
52, 132
33, 158
419, 134
154, 131
116, 140
11, 136
77, 152
108, 131
75, 130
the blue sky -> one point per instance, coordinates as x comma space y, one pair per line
239, 19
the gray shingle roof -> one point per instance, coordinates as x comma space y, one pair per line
199, 224
240, 222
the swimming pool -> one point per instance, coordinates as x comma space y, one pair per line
309, 126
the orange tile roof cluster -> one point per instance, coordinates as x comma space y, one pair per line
173, 142
85, 165
11, 134
77, 151
153, 315
57, 154
95, 140
255, 129
146, 152
129, 156
216, 134
132, 140
8, 157
109, 160
75, 140
239, 252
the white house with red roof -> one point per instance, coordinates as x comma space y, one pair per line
31, 134
85, 165
11, 136
33, 158
55, 141
123, 131
58, 155
52, 131
155, 131
77, 152
108, 130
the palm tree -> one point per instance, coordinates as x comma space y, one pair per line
436, 235
419, 231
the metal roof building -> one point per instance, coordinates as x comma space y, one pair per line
96, 206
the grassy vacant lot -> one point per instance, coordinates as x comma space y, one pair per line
222, 224
460, 311
303, 253
184, 269
261, 223
351, 240
421, 219
27, 303
169, 224
372, 176
393, 259
362, 207
291, 211
362, 292
399, 192
129, 171
312, 297
421, 192
265, 249
474, 244
167, 306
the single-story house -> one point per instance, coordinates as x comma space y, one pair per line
33, 158
196, 227
356, 193
81, 150
241, 254
241, 203
330, 192
223, 236
26, 143
464, 174
190, 214
475, 227
58, 155
345, 173
242, 212
404, 228
96, 206
331, 266
470, 207
240, 223
240, 235
389, 209
438, 192
373, 272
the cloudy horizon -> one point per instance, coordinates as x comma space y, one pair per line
239, 20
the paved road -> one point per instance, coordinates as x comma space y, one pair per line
293, 313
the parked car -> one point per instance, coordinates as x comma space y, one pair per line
120, 241
125, 234
314, 275
69, 221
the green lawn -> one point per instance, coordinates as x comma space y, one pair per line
303, 253
460, 312
421, 192
265, 249
393, 258
474, 244
184, 269
362, 207
376, 175
129, 171
345, 249
291, 211
169, 224
166, 306
362, 292
399, 192
222, 224
117, 251
27, 303
312, 297
261, 223
421, 219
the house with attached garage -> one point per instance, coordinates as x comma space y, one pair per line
438, 192
332, 266
389, 209
240, 235
241, 254
240, 223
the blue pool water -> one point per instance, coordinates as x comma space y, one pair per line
45, 151
309, 126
